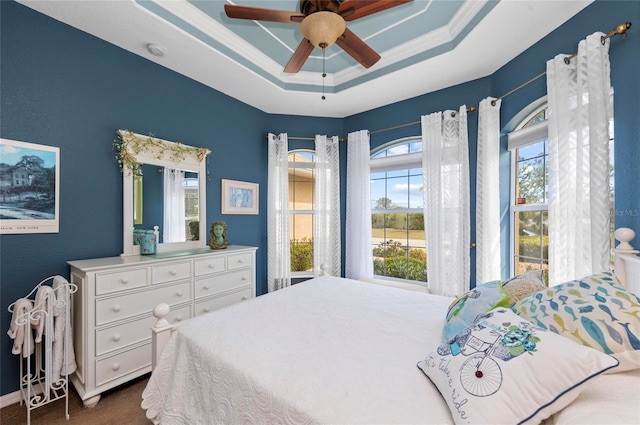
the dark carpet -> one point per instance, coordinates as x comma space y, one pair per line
120, 406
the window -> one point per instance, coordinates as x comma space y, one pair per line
530, 193
301, 210
397, 215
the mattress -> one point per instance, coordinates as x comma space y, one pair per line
325, 351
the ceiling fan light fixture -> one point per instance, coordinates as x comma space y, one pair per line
323, 28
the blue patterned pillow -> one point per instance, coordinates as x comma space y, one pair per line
464, 310
504, 370
594, 311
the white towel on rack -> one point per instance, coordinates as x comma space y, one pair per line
20, 328
44, 297
63, 335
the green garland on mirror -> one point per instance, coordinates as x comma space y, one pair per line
129, 145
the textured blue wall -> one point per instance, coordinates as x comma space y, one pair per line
62, 87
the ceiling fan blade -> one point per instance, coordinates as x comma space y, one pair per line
299, 57
259, 14
358, 49
351, 10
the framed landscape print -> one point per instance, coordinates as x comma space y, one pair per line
29, 187
239, 197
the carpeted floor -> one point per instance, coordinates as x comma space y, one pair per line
120, 406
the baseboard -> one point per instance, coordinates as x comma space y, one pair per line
9, 399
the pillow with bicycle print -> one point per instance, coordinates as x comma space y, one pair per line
502, 369
464, 309
594, 311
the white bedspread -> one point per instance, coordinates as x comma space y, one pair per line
329, 351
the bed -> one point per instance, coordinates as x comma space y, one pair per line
338, 351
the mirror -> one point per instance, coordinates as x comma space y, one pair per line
155, 171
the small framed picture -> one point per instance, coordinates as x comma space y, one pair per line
239, 197
29, 187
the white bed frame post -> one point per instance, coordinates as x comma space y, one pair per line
627, 263
160, 333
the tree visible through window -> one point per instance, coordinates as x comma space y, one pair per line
397, 215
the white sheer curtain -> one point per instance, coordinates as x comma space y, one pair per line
358, 250
580, 107
445, 162
487, 193
173, 224
278, 251
326, 225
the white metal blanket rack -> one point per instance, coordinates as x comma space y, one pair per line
41, 330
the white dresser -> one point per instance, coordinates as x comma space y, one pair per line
112, 309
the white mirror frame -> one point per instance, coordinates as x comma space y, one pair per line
153, 156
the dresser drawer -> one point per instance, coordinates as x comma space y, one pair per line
115, 337
117, 308
122, 364
173, 271
236, 261
215, 303
120, 281
206, 286
210, 265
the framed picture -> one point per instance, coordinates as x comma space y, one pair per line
239, 197
29, 187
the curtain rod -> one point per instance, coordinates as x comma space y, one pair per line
619, 30
453, 114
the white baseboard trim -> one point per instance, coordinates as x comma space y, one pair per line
9, 399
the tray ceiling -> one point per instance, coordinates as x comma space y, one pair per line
426, 45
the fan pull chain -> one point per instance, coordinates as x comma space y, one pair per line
324, 74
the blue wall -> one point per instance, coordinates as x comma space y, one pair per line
62, 87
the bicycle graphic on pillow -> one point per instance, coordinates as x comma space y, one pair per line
480, 374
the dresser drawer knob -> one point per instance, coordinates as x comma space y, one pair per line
178, 318
239, 261
243, 278
116, 308
173, 272
179, 293
206, 287
244, 298
115, 366
211, 266
206, 309
124, 280
116, 337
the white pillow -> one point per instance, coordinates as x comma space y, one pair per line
503, 369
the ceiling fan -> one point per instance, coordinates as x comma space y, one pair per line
322, 23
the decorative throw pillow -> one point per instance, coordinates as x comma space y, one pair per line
593, 311
464, 310
504, 370
524, 284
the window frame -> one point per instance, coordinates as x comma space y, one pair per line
312, 212
528, 135
407, 161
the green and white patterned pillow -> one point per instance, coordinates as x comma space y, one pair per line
594, 311
504, 370
464, 309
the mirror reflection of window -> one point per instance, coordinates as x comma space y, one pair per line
174, 206
137, 199
192, 225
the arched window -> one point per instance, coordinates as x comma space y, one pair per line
397, 214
